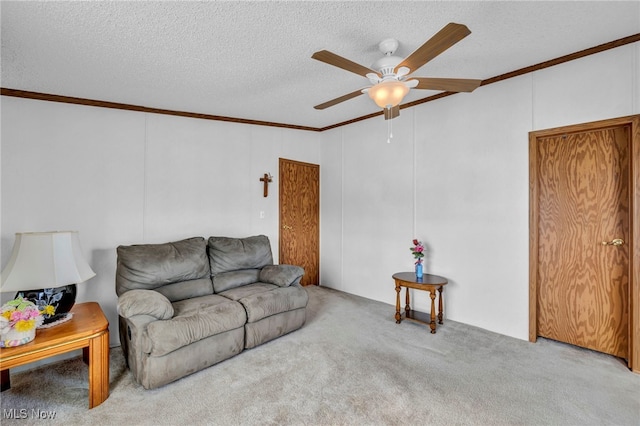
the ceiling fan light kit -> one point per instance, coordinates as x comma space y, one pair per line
387, 94
389, 75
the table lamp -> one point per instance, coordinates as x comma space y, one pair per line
44, 268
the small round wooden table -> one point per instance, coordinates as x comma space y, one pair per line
429, 283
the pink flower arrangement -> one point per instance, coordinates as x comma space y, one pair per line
418, 251
21, 315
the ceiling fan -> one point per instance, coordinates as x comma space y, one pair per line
389, 75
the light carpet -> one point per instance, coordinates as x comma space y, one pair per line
351, 364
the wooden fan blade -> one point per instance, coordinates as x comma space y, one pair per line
338, 100
444, 39
391, 113
344, 63
448, 84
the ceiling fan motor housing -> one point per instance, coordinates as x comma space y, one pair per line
386, 66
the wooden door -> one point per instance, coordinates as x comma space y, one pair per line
583, 205
300, 217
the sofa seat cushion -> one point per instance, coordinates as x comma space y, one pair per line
193, 320
247, 290
261, 300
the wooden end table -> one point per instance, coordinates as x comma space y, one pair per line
87, 330
429, 283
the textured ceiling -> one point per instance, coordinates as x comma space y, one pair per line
252, 60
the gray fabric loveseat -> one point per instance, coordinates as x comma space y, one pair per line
186, 305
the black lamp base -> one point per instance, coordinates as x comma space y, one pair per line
61, 298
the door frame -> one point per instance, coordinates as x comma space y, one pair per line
633, 122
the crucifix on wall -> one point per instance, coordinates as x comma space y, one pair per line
266, 179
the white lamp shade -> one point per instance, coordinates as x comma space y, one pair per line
45, 260
388, 93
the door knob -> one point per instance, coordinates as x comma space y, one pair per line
616, 242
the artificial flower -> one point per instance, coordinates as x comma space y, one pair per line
5, 326
25, 325
418, 251
48, 310
20, 314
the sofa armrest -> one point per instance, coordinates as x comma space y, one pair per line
281, 275
144, 302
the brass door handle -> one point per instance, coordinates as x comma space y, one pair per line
287, 227
616, 242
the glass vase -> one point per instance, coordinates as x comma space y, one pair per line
419, 270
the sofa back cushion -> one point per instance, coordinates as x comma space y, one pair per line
237, 261
179, 270
232, 279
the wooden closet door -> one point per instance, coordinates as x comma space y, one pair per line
583, 208
300, 217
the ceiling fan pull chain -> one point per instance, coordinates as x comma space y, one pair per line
389, 132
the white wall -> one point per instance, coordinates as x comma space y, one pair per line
456, 177
122, 177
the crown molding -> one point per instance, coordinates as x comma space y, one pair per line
115, 105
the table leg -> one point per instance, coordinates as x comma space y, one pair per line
440, 305
432, 293
407, 308
98, 369
5, 380
398, 316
